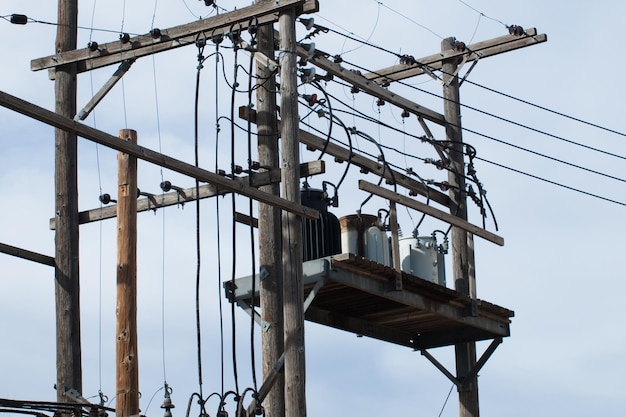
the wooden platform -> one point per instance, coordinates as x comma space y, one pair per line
360, 296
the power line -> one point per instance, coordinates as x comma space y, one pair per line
543, 155
504, 119
558, 113
553, 182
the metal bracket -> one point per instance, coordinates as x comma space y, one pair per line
309, 299
255, 314
478, 54
464, 382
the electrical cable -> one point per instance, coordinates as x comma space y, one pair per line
217, 226
553, 182
251, 227
43, 22
537, 106
198, 243
449, 392
234, 210
405, 16
490, 89
482, 14
544, 155
572, 142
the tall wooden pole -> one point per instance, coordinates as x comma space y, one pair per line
67, 288
293, 299
465, 352
127, 365
270, 234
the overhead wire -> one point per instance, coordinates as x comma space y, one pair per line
198, 236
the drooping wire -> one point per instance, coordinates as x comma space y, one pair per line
405, 16
370, 35
482, 14
217, 54
156, 2
198, 243
234, 223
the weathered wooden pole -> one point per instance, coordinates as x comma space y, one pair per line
67, 285
270, 234
465, 352
127, 365
293, 297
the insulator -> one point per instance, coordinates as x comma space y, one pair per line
309, 48
354, 90
221, 172
208, 2
308, 75
405, 114
258, 409
255, 166
445, 185
308, 23
413, 193
222, 413
93, 411
238, 169
93, 46
155, 33
217, 38
106, 199
459, 46
124, 37
516, 30
385, 83
311, 99
337, 59
19, 19
166, 186
380, 102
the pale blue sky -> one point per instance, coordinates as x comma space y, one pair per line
559, 270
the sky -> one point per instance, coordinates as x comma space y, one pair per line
560, 269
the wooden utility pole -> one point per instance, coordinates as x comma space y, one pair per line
465, 352
270, 234
67, 287
293, 297
127, 365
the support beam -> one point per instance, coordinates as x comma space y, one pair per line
189, 194
118, 51
67, 283
127, 361
475, 51
26, 254
295, 392
370, 87
270, 232
69, 125
431, 211
465, 353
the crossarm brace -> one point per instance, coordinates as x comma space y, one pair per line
462, 383
108, 86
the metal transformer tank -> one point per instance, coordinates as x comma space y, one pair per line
420, 256
321, 237
363, 235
